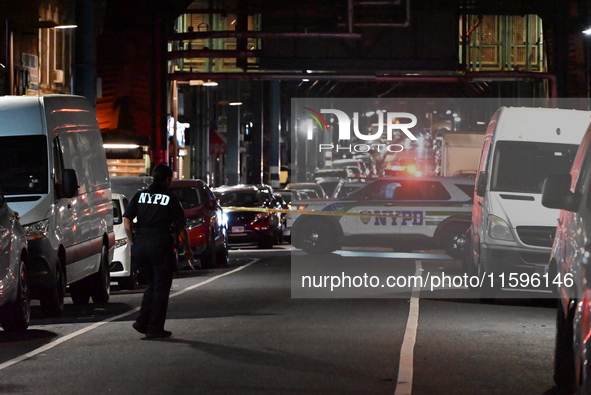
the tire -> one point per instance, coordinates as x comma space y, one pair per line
222, 256
15, 316
209, 258
268, 243
455, 239
316, 237
564, 362
99, 284
488, 290
52, 300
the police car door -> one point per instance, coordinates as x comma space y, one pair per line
376, 209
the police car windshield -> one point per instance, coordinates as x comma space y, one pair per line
23, 165
240, 198
520, 166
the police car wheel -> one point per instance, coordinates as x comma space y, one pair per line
316, 237
455, 239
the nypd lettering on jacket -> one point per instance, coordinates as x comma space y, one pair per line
156, 198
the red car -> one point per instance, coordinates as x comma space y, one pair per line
205, 222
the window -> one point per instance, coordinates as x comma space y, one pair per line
189, 197
523, 166
23, 165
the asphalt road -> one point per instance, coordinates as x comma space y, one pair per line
238, 330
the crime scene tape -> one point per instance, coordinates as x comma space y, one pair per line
340, 213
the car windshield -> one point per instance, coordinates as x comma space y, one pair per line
240, 198
23, 165
520, 166
188, 196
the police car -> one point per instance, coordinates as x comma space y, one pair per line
404, 213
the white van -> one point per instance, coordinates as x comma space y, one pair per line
511, 231
53, 172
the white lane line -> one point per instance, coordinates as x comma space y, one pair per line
82, 331
405, 366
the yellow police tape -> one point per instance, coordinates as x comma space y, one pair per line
332, 213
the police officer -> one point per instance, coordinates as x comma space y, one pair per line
159, 217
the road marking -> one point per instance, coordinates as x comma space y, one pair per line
405, 366
82, 331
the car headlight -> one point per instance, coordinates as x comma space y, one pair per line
120, 242
37, 230
499, 229
194, 222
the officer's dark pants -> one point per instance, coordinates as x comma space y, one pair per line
155, 262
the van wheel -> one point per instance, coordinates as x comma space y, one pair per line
564, 364
15, 316
316, 237
100, 283
455, 239
52, 300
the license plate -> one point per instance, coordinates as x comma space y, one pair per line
237, 229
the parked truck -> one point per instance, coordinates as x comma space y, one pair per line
457, 154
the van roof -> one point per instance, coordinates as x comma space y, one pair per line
551, 125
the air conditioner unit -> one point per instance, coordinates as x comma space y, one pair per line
58, 76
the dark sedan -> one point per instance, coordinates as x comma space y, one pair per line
246, 226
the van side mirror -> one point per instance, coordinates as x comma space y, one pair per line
556, 193
69, 187
481, 186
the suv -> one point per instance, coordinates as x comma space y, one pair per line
246, 226
207, 231
570, 270
15, 303
403, 212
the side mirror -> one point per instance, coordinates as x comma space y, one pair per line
556, 193
69, 187
586, 265
481, 186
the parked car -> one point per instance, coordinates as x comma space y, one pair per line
15, 301
401, 212
344, 188
328, 184
206, 227
249, 227
307, 185
569, 271
122, 268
